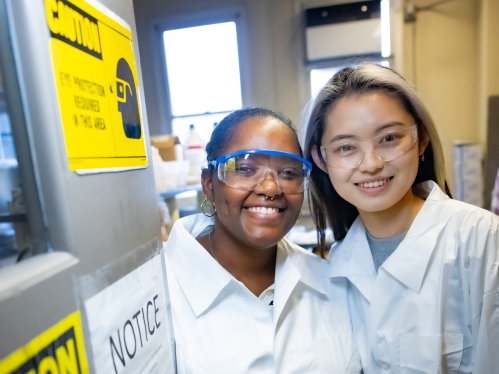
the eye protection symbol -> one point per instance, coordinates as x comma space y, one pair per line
122, 87
127, 100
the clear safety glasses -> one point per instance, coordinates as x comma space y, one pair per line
247, 169
348, 154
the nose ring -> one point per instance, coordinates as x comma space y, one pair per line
271, 198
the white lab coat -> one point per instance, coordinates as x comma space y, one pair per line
433, 307
221, 327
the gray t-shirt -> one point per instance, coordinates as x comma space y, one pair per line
381, 249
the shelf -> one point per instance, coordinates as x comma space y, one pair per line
172, 193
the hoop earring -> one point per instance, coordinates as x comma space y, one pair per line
207, 203
299, 217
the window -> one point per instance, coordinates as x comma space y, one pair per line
202, 66
319, 77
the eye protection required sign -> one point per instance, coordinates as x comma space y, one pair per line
97, 87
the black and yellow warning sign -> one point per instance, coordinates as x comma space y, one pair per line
60, 349
97, 86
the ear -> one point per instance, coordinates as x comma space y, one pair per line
423, 143
319, 161
207, 176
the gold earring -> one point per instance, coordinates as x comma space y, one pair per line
208, 203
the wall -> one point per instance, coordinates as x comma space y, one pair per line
489, 86
442, 58
489, 53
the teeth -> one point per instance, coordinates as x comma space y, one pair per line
263, 210
374, 184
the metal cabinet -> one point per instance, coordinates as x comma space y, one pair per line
77, 223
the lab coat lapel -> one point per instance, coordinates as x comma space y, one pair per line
313, 270
351, 258
409, 261
293, 266
286, 278
206, 278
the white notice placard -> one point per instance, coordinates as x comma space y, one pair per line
128, 323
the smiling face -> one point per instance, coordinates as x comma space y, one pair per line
247, 215
374, 185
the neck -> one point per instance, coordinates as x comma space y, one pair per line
395, 220
254, 267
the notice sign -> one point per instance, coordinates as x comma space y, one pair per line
97, 87
60, 349
128, 324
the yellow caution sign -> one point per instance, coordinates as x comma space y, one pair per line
97, 87
60, 349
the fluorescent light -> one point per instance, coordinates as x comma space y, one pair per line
385, 28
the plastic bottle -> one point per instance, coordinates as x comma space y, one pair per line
194, 140
194, 151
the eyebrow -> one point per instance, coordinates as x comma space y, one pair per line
376, 132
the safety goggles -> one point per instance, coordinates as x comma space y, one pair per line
247, 169
348, 154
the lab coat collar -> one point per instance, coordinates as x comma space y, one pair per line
410, 260
352, 258
311, 268
206, 278
199, 275
293, 265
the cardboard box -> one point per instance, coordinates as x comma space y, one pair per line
166, 146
